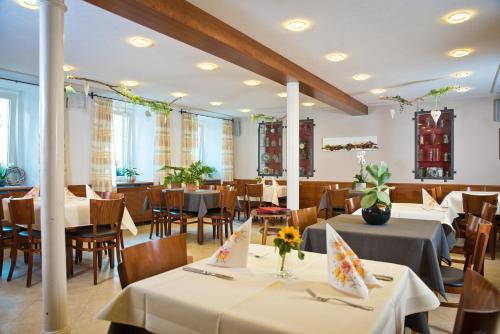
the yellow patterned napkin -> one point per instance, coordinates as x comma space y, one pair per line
346, 271
33, 193
234, 252
429, 203
90, 193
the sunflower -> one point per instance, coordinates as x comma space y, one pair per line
289, 235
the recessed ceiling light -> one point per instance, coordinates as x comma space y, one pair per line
458, 17
463, 89
178, 94
377, 91
30, 4
68, 68
361, 76
297, 25
129, 83
282, 94
252, 82
457, 53
308, 104
207, 66
140, 42
245, 110
215, 103
463, 74
336, 56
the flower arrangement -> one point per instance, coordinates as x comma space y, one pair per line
288, 238
351, 146
377, 196
362, 175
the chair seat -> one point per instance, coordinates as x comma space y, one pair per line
188, 214
215, 214
87, 232
36, 234
452, 276
158, 210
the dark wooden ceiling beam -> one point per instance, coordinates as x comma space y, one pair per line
187, 23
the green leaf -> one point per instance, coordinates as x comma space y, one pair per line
369, 200
382, 169
384, 198
384, 178
372, 170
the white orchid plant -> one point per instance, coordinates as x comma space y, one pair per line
362, 175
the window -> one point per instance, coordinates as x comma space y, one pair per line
6, 110
210, 143
120, 139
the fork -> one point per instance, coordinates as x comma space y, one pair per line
258, 256
323, 299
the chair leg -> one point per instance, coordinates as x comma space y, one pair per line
213, 229
30, 264
226, 227
264, 231
231, 226
151, 228
122, 244
220, 232
111, 255
13, 260
492, 243
94, 260
99, 256
118, 257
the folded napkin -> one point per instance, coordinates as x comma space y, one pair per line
90, 193
234, 252
346, 271
33, 193
429, 203
68, 193
275, 182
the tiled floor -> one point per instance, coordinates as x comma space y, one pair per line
21, 308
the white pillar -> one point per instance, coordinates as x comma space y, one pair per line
51, 24
292, 144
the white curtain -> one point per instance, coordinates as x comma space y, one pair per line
227, 151
162, 154
189, 139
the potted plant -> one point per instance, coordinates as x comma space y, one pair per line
174, 178
359, 182
193, 175
3, 175
131, 173
258, 179
376, 204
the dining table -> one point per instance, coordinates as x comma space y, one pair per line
255, 300
76, 213
453, 201
416, 243
271, 193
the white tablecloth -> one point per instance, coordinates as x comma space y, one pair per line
271, 194
76, 213
257, 302
454, 204
416, 211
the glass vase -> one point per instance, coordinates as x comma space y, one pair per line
283, 270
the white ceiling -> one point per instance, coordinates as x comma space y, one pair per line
394, 42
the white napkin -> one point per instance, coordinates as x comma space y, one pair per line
33, 193
90, 193
429, 203
346, 271
68, 193
234, 252
275, 182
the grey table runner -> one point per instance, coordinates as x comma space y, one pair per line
418, 244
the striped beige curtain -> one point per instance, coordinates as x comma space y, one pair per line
102, 168
189, 139
227, 151
161, 148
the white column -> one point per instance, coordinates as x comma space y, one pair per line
51, 24
292, 144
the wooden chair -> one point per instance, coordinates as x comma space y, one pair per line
479, 307
352, 204
224, 215
174, 202
336, 200
6, 237
473, 205
157, 209
106, 219
439, 194
453, 278
28, 241
303, 218
488, 213
334, 186
114, 195
241, 192
208, 187
253, 196
433, 193
152, 258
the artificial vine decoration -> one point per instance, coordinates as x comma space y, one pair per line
436, 93
266, 118
159, 107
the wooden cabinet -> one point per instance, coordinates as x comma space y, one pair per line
434, 141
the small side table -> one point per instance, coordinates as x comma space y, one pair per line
265, 230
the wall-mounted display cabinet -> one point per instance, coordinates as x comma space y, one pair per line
434, 142
270, 149
306, 148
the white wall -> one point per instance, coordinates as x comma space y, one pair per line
476, 143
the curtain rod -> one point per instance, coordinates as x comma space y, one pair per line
19, 81
182, 111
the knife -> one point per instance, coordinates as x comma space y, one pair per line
208, 273
383, 277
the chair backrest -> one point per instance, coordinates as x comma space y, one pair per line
433, 193
471, 228
303, 218
22, 212
227, 201
208, 186
439, 194
488, 212
479, 307
473, 204
352, 204
480, 246
254, 190
106, 212
241, 190
152, 258
110, 195
174, 199
155, 197
334, 186
336, 198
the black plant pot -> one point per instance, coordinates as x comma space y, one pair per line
376, 216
